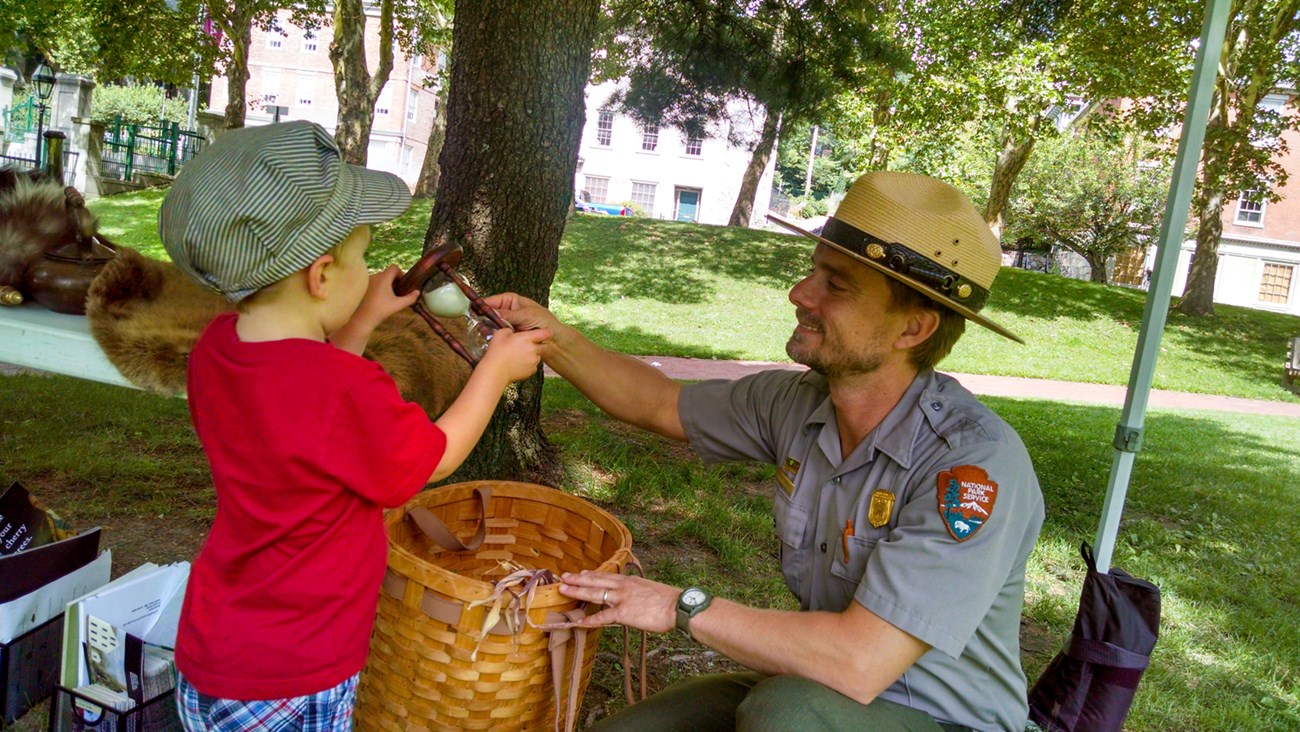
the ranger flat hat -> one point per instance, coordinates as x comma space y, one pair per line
921, 232
264, 202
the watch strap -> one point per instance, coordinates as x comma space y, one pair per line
686, 612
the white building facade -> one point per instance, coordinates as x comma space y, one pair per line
665, 174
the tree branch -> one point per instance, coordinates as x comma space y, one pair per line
385, 68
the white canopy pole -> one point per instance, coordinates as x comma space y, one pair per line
1128, 434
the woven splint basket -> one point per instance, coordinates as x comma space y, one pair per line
423, 673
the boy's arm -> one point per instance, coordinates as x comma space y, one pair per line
510, 357
379, 303
624, 387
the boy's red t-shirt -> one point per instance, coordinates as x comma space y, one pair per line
307, 445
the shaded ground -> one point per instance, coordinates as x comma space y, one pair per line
137, 539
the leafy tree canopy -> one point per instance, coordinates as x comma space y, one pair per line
833, 163
684, 60
1012, 65
106, 39
140, 104
1092, 193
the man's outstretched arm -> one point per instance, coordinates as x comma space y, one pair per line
854, 652
624, 387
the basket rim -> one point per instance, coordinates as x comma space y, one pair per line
414, 568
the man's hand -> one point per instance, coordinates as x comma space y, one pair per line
522, 313
632, 601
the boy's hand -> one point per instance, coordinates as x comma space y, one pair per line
380, 302
521, 313
514, 354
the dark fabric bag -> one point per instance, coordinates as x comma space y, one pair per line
1090, 684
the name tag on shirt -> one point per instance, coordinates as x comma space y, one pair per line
785, 473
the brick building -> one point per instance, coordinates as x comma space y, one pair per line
290, 68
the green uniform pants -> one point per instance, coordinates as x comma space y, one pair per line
751, 702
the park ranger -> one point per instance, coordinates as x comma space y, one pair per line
905, 509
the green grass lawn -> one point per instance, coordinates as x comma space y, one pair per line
671, 289
1212, 519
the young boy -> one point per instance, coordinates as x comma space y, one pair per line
307, 441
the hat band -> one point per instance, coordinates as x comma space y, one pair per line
907, 262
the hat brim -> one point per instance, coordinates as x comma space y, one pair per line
380, 196
964, 311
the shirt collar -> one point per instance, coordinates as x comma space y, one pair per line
895, 435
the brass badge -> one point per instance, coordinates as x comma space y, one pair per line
882, 507
963, 291
875, 251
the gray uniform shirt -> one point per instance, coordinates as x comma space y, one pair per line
881, 526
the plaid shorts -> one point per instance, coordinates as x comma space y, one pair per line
324, 711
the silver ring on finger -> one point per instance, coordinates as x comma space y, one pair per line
604, 597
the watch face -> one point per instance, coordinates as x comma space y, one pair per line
693, 597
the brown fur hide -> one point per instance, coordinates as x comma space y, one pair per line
146, 316
34, 217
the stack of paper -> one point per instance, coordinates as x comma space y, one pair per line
117, 640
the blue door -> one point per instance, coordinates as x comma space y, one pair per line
688, 204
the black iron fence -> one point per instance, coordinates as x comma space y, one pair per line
162, 148
70, 158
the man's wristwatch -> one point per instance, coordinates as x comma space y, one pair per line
690, 603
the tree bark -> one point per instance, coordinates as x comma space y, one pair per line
514, 119
1011, 159
1198, 293
1097, 269
878, 149
431, 172
240, 33
743, 212
355, 87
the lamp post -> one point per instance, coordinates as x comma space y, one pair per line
43, 80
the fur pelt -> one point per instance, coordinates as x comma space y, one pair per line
146, 315
35, 217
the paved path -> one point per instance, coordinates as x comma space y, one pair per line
1008, 386
696, 369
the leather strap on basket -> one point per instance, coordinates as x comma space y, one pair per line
561, 631
437, 531
557, 640
633, 564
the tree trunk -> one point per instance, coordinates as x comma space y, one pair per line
1198, 294
878, 150
1097, 268
353, 84
241, 37
1011, 159
431, 172
507, 182
743, 212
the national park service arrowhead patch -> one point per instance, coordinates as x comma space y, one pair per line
966, 497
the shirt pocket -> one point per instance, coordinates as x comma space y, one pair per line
791, 520
850, 569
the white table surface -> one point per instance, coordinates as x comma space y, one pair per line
36, 338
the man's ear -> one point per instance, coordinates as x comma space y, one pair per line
921, 324
319, 277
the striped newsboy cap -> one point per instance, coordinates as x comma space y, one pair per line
264, 202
